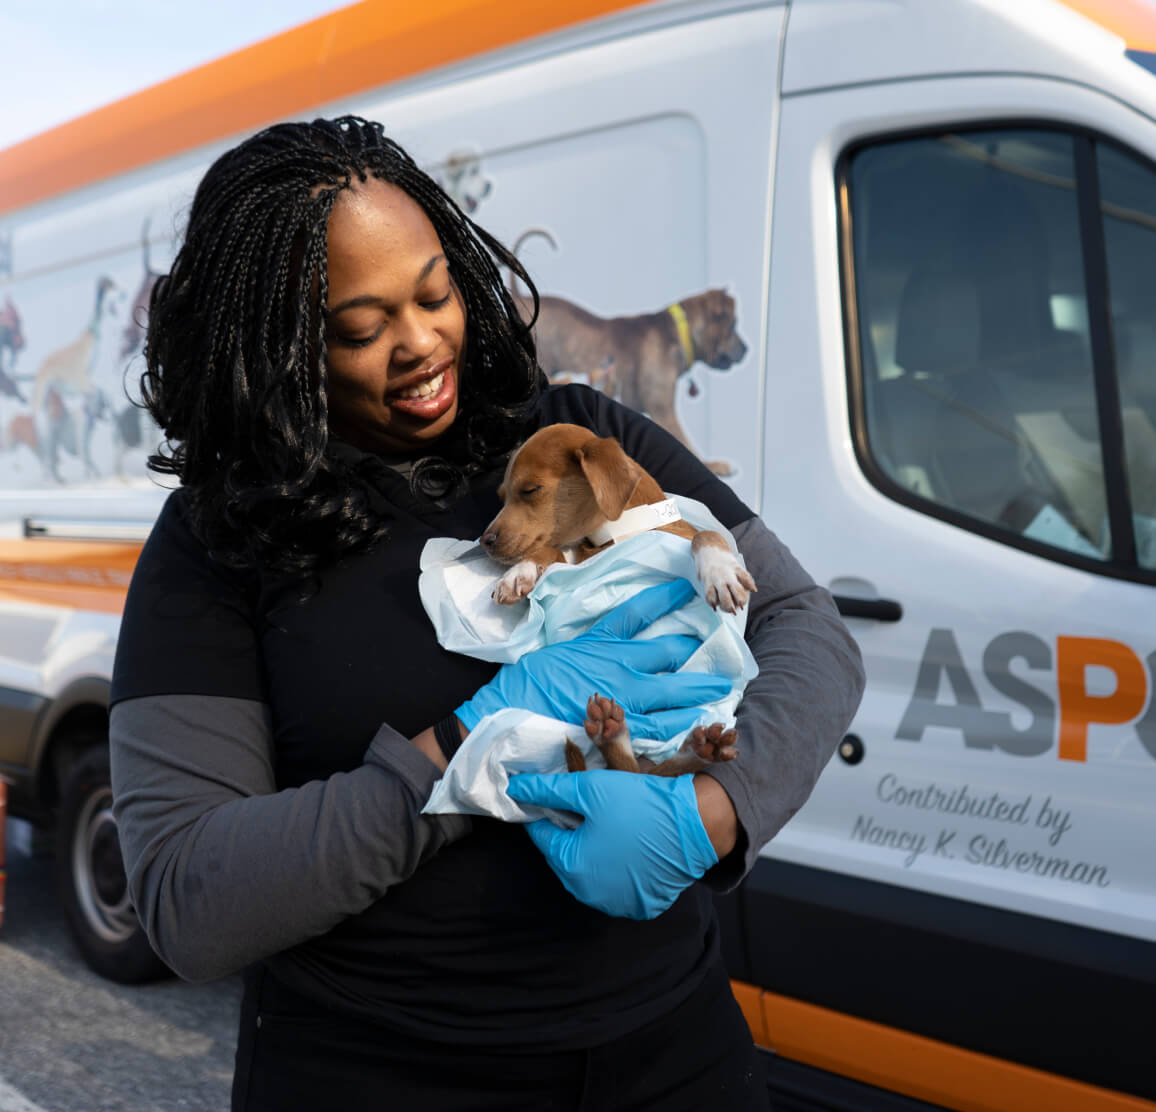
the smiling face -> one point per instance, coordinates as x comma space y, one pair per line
395, 323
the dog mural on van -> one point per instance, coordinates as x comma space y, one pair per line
11, 345
70, 400
67, 372
66, 402
126, 420
11, 326
462, 177
637, 359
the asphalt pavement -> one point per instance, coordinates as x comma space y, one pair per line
71, 1041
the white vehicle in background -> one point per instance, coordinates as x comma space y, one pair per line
904, 251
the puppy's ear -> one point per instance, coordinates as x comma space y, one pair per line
611, 473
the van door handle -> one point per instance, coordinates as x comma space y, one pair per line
875, 609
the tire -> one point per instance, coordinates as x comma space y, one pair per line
90, 877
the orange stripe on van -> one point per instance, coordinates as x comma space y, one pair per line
363, 46
1133, 20
915, 1066
80, 575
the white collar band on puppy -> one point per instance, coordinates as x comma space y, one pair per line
637, 520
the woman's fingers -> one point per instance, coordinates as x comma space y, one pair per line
667, 653
560, 790
671, 691
641, 610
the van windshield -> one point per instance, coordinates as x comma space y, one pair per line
1145, 58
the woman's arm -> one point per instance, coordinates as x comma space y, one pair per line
796, 710
224, 869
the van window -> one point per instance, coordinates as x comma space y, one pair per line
968, 276
1128, 204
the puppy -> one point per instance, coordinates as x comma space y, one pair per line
566, 492
606, 726
562, 488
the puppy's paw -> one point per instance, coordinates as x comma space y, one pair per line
606, 727
517, 583
704, 746
605, 720
713, 744
728, 584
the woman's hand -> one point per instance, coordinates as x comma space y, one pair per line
641, 676
640, 844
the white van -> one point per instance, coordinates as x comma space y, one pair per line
907, 248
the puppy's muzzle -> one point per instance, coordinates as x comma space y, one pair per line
492, 541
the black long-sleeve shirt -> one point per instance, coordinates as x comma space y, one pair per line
269, 801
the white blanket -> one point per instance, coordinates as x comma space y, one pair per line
457, 578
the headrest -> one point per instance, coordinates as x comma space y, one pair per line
939, 322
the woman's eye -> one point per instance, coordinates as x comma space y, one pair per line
356, 341
437, 303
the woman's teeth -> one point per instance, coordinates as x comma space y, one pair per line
425, 389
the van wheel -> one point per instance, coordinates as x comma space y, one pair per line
90, 877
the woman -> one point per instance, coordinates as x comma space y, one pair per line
340, 375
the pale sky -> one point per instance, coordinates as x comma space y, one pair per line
62, 58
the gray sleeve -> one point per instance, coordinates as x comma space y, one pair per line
224, 869
796, 710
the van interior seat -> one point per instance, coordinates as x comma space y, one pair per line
945, 415
937, 331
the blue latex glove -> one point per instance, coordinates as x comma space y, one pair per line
640, 844
558, 680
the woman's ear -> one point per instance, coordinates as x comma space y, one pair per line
611, 473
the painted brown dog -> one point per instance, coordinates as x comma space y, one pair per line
639, 359
561, 486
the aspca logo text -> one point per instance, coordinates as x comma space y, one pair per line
1063, 686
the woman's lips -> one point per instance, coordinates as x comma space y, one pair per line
429, 399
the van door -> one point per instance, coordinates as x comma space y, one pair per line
962, 445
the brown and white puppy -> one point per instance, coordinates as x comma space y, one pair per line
563, 484
561, 487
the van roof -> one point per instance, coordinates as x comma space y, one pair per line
837, 43
1133, 20
362, 46
358, 48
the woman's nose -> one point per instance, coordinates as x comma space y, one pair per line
416, 338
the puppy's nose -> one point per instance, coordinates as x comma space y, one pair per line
489, 539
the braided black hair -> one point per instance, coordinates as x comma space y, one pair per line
236, 351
